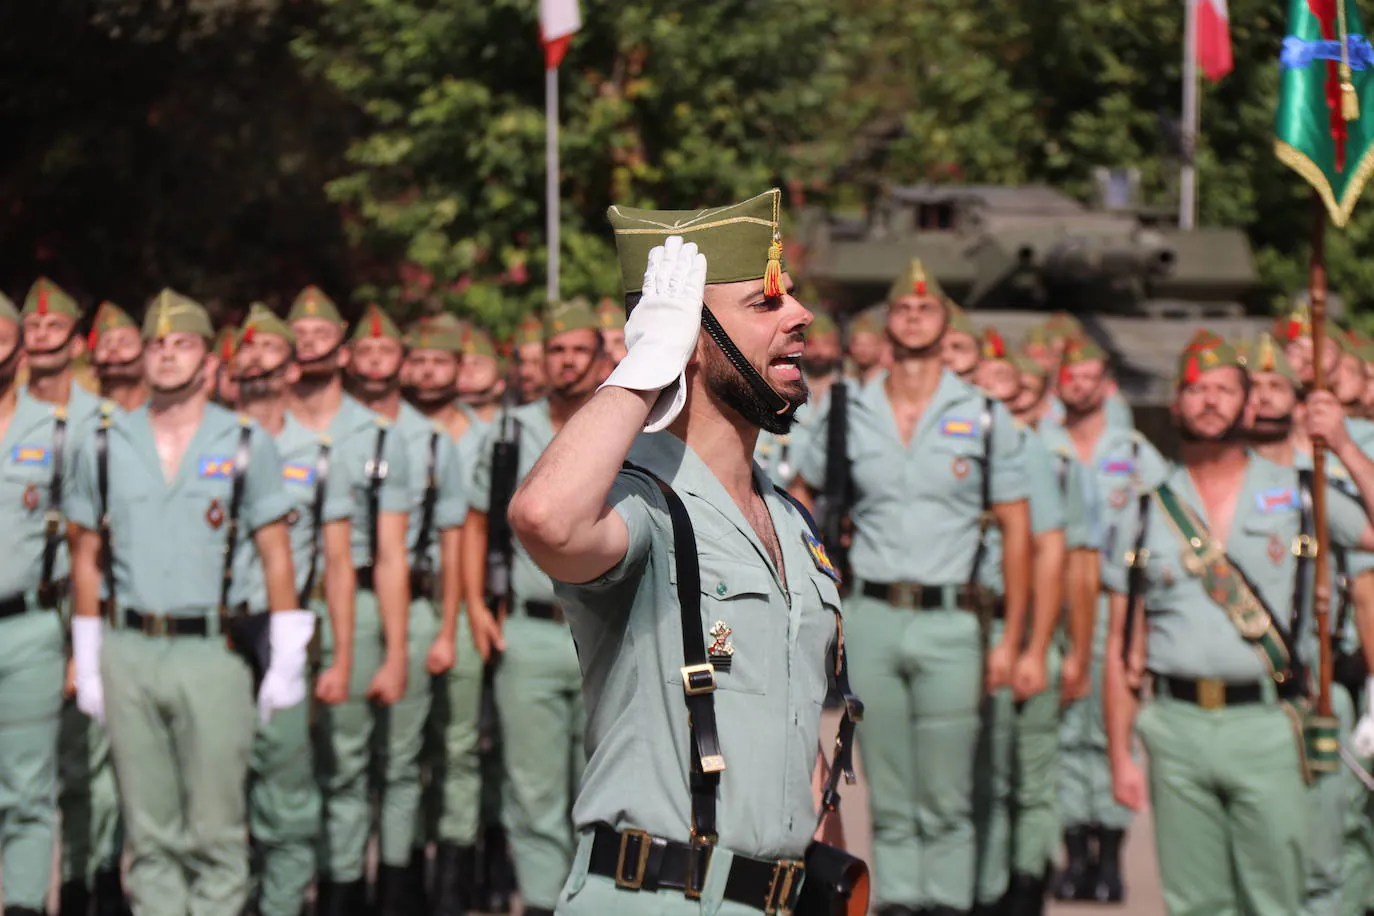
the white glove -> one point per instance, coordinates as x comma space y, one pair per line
87, 634
1363, 739
283, 685
662, 329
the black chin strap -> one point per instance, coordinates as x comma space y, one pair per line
775, 402
328, 354
59, 347
111, 364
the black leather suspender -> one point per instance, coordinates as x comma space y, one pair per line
1138, 559
376, 473
421, 562
52, 526
102, 477
985, 494
316, 520
231, 534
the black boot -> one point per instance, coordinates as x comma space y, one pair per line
110, 899
537, 911
1076, 881
500, 871
395, 891
73, 899
897, 909
945, 911
1025, 896
336, 898
417, 880
453, 872
23, 911
1108, 887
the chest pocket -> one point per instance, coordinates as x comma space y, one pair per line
740, 625
1267, 556
26, 488
955, 468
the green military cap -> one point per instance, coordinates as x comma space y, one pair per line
573, 315
530, 331
870, 321
1297, 322
611, 315
108, 317
170, 312
1266, 355
1061, 326
1205, 351
1359, 345
226, 342
477, 342
442, 332
991, 344
262, 320
311, 302
959, 322
7, 310
47, 298
1081, 348
741, 242
1027, 366
375, 323
821, 325
915, 281
1040, 335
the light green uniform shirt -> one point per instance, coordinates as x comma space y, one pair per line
1119, 413
1046, 508
779, 454
353, 435
168, 538
451, 481
768, 705
1189, 635
535, 432
916, 505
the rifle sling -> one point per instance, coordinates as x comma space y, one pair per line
421, 561
102, 477
1138, 559
316, 520
985, 495
376, 473
52, 528
231, 533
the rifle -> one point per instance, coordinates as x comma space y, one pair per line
832, 505
505, 465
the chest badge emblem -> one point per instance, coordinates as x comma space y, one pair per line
214, 516
1276, 549
959, 467
721, 650
31, 496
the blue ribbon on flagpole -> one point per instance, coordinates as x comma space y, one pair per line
1297, 54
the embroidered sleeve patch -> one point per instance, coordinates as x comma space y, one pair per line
298, 473
1278, 500
215, 467
819, 556
958, 429
1118, 466
29, 454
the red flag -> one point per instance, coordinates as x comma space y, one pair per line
559, 20
1214, 39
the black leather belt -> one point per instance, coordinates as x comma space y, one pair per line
1214, 693
421, 582
918, 597
165, 624
640, 862
544, 610
13, 606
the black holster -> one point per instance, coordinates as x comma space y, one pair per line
836, 883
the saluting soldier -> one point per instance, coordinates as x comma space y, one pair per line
723, 831
178, 698
1223, 649
371, 463
538, 684
284, 798
31, 639
1123, 464
116, 349
934, 465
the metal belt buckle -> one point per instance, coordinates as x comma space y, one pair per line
1211, 693
155, 625
641, 859
904, 594
698, 860
781, 890
698, 679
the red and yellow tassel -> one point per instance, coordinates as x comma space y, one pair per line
772, 274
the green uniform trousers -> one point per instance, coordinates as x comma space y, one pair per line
992, 788
919, 673
32, 666
92, 835
452, 797
1035, 777
594, 895
1329, 802
539, 697
181, 719
398, 740
1229, 808
1357, 867
284, 811
1085, 776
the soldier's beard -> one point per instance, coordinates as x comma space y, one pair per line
725, 382
128, 372
1233, 433
434, 397
266, 384
1267, 430
481, 398
373, 387
819, 368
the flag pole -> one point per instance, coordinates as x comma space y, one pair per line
1187, 183
551, 179
1321, 589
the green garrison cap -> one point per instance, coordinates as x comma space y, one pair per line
611, 315
374, 323
477, 342
442, 332
47, 298
530, 331
1266, 355
7, 310
226, 342
1061, 326
821, 325
959, 321
869, 321
108, 317
1080, 348
1027, 366
262, 320
1205, 351
313, 303
991, 345
170, 313
915, 281
573, 315
1359, 345
741, 242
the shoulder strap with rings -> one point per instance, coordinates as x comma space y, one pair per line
102, 480
52, 522
376, 473
421, 559
985, 493
231, 534
316, 519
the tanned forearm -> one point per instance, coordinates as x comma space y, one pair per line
1120, 702
85, 561
1085, 578
390, 579
473, 545
451, 579
340, 585
1014, 519
274, 549
1047, 597
1362, 594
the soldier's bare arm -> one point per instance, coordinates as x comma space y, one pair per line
1049, 559
390, 579
340, 585
273, 541
1084, 581
85, 560
1120, 707
1014, 520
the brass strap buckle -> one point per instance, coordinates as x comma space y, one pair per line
154, 625
1305, 547
1211, 693
698, 679
781, 890
1138, 559
641, 860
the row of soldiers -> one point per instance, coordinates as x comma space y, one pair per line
326, 526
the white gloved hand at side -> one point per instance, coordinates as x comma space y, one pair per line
87, 635
1362, 741
662, 329
283, 685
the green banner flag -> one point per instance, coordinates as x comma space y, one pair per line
1325, 125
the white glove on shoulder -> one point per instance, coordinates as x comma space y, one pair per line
283, 684
1362, 741
87, 635
662, 329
